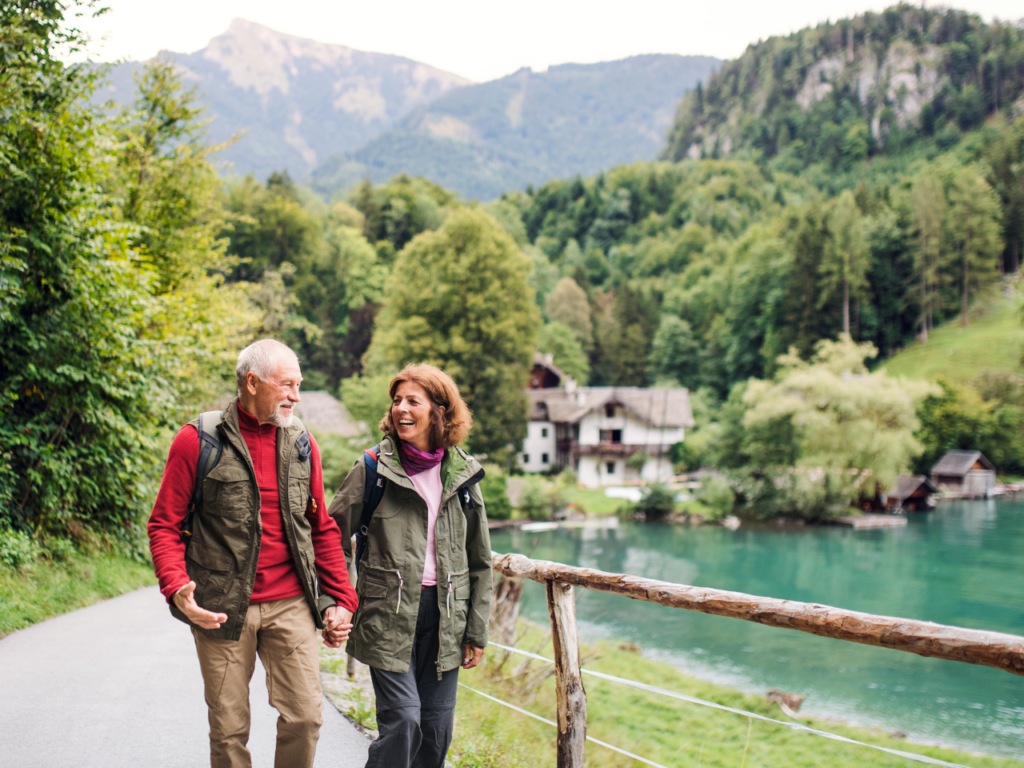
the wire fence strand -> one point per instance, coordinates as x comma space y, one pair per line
694, 700
600, 743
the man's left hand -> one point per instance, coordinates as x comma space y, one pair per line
471, 656
337, 626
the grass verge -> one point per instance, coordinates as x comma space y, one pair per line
46, 588
992, 341
594, 502
664, 730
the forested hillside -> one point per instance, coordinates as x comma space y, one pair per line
856, 88
528, 127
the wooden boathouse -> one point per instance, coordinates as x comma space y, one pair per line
964, 473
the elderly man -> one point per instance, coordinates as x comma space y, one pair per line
263, 567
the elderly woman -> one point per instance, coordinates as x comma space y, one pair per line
424, 582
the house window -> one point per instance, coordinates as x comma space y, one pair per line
543, 431
543, 458
610, 467
526, 458
609, 411
611, 436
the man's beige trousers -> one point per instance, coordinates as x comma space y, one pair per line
284, 636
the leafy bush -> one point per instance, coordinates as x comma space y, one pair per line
540, 499
337, 456
17, 548
59, 549
717, 495
657, 502
494, 488
534, 501
810, 493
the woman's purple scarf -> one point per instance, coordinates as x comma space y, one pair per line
415, 461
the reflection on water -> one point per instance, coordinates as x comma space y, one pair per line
959, 565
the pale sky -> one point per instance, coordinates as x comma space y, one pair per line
482, 40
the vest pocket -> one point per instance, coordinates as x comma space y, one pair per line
227, 491
210, 571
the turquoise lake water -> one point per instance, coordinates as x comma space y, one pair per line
961, 565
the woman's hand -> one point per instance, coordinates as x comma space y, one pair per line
471, 656
337, 626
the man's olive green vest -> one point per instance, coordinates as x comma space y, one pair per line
227, 530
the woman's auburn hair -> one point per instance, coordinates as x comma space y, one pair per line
449, 429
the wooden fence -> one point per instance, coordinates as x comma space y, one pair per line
971, 646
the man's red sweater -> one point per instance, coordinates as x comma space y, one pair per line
276, 577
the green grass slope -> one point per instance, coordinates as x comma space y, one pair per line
993, 340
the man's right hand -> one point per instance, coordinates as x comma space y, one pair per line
201, 617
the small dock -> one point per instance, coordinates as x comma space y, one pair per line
872, 521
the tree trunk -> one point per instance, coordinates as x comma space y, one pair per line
924, 306
846, 307
963, 300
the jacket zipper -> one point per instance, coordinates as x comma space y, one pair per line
401, 583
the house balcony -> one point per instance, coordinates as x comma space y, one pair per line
575, 449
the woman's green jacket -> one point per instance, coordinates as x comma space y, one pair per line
390, 574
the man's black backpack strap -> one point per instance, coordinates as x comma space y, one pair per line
373, 492
210, 449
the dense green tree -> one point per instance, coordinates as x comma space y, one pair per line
845, 265
675, 352
270, 225
459, 298
561, 343
1005, 157
960, 417
567, 304
928, 202
626, 322
401, 209
339, 291
841, 416
974, 233
82, 392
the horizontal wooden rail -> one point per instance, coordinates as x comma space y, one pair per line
972, 646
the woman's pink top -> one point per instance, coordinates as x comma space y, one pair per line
428, 485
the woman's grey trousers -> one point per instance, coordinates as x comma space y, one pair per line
415, 710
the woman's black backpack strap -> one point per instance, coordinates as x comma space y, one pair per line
210, 449
373, 492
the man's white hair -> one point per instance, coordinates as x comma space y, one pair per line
262, 358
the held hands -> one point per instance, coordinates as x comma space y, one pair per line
471, 656
186, 602
337, 626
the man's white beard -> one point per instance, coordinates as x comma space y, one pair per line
278, 419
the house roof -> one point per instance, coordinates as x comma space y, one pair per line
959, 463
656, 407
907, 484
323, 412
547, 361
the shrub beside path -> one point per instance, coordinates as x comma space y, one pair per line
118, 684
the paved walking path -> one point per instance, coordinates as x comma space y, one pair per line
118, 684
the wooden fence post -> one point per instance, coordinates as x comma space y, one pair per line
572, 698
